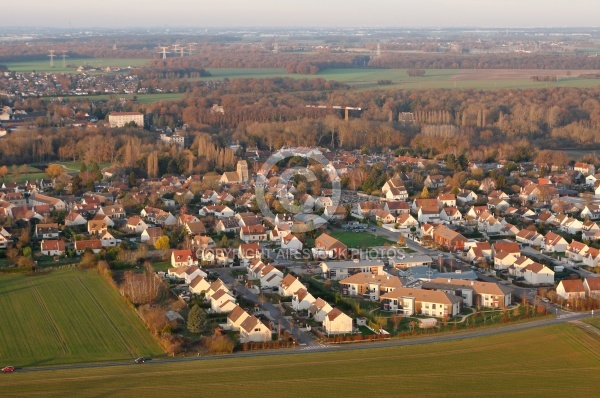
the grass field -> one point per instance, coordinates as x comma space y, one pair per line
434, 78
36, 172
65, 317
560, 360
359, 240
576, 154
44, 66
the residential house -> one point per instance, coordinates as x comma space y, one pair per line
270, 277
592, 257
485, 294
217, 256
222, 302
590, 212
55, 204
538, 274
450, 214
538, 193
571, 225
216, 286
394, 189
319, 309
335, 212
302, 300
384, 217
336, 322
226, 225
368, 285
219, 211
249, 251
466, 196
97, 227
338, 270
396, 208
506, 246
53, 247
427, 214
151, 235
180, 258
584, 168
449, 239
115, 212
289, 285
576, 251
435, 181
291, 243
421, 302
47, 231
518, 265
199, 285
554, 243
209, 196
327, 246
487, 185
570, 289
279, 232
254, 233
446, 200
74, 219
108, 240
203, 242
254, 331
236, 317
406, 221
94, 245
531, 238
136, 225
480, 252
592, 287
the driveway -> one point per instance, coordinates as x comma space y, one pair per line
274, 312
536, 254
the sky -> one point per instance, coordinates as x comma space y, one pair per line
303, 13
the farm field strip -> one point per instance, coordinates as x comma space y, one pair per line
44, 65
68, 316
524, 363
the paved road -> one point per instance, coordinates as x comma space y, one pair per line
570, 317
536, 254
274, 312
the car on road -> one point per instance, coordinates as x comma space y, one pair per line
8, 369
373, 229
576, 267
545, 300
140, 360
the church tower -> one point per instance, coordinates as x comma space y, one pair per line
242, 170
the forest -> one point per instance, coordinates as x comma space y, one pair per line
271, 113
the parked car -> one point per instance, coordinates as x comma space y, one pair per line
545, 300
8, 369
140, 360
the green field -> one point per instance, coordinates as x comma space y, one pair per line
35, 171
359, 240
67, 316
434, 78
560, 360
44, 66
